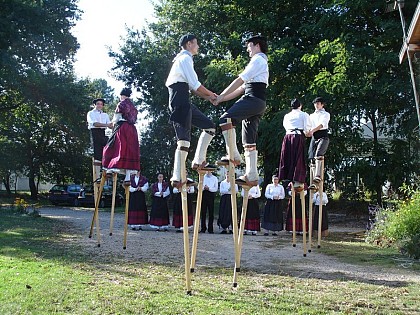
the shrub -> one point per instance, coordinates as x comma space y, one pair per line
400, 227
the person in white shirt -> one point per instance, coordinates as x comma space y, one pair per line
137, 209
292, 159
98, 121
210, 185
252, 220
320, 140
252, 82
273, 212
177, 219
317, 201
159, 215
225, 206
181, 80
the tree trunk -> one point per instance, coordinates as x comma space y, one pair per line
6, 182
32, 187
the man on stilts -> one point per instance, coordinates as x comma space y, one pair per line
182, 79
98, 121
252, 82
320, 140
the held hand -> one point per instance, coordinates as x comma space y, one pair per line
218, 100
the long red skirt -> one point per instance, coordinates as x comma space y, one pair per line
124, 151
292, 159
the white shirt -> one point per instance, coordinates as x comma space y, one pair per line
144, 188
165, 193
272, 191
296, 119
183, 71
190, 190
254, 192
225, 188
256, 70
320, 117
95, 116
211, 182
317, 200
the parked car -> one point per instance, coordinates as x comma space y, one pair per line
65, 194
86, 197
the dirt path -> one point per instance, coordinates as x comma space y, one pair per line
267, 254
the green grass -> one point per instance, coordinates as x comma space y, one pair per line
44, 271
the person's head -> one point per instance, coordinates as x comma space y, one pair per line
295, 104
318, 103
125, 93
99, 103
208, 173
256, 44
275, 179
160, 177
189, 42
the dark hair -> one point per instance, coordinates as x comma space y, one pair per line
258, 39
126, 92
185, 39
295, 103
318, 99
99, 99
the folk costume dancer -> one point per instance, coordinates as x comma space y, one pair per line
97, 121
177, 207
122, 152
292, 160
252, 82
273, 213
137, 208
159, 215
252, 218
225, 207
318, 147
181, 79
317, 200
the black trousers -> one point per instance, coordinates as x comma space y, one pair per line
207, 203
98, 141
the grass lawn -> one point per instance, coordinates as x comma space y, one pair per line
43, 271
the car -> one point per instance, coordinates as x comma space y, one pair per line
65, 194
86, 197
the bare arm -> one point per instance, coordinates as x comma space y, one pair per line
233, 90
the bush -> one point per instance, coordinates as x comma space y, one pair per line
400, 227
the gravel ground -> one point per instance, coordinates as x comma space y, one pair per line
267, 254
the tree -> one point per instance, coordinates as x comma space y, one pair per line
345, 51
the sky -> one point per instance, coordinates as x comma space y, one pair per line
103, 24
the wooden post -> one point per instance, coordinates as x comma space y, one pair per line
311, 194
185, 231
127, 202
241, 235
197, 218
114, 192
293, 216
321, 192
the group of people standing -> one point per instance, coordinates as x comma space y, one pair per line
121, 153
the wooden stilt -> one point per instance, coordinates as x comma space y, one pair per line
197, 218
311, 194
95, 218
321, 192
293, 216
302, 200
185, 230
95, 193
241, 235
114, 192
231, 170
127, 202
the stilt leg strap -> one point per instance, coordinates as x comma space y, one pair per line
250, 147
319, 158
211, 131
226, 126
186, 149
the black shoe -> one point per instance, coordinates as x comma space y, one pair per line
274, 234
178, 231
265, 234
202, 231
211, 232
223, 232
230, 232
